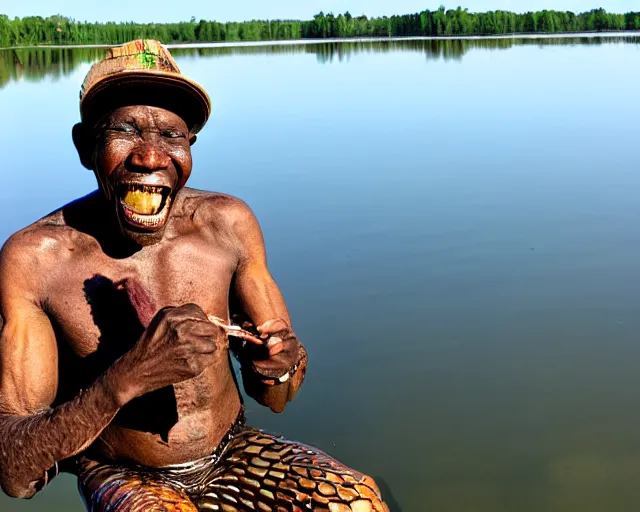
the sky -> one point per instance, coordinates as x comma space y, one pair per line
239, 10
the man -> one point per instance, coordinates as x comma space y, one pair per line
114, 351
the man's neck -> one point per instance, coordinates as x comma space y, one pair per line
95, 216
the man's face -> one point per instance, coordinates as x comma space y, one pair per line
142, 159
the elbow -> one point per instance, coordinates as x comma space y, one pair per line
17, 490
14, 486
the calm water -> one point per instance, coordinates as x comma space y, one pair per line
454, 227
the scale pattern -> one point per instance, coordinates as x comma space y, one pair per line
255, 472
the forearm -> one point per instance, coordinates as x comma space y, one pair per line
32, 445
273, 372
259, 297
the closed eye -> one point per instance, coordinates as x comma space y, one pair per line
173, 134
122, 128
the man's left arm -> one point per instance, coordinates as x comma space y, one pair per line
274, 373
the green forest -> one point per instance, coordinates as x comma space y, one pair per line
36, 64
35, 30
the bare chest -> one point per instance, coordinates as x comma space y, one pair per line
89, 300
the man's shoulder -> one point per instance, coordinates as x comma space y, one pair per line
38, 243
217, 209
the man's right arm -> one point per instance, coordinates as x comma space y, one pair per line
34, 437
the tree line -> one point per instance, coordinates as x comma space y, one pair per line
35, 64
35, 30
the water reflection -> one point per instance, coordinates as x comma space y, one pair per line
458, 245
35, 64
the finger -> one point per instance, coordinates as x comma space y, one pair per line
186, 320
274, 326
200, 328
159, 317
235, 330
293, 377
244, 335
205, 346
276, 366
191, 311
217, 321
275, 345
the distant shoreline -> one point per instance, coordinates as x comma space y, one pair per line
298, 42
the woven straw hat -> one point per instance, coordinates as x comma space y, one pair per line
142, 72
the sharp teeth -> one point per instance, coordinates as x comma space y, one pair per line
145, 202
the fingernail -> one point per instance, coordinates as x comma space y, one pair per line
284, 378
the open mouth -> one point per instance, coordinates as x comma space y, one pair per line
144, 206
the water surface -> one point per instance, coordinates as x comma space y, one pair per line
453, 226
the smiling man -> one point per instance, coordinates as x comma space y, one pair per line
115, 317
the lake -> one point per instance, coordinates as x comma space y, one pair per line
454, 227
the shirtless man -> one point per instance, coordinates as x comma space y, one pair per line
114, 347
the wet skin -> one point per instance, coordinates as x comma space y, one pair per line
106, 349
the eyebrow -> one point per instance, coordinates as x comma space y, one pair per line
160, 121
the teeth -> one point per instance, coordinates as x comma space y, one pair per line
143, 200
147, 221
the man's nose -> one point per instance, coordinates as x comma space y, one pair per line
148, 158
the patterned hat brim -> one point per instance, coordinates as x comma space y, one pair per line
171, 91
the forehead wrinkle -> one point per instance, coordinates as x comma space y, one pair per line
145, 117
150, 117
166, 117
134, 114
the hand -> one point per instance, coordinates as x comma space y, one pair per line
178, 345
284, 352
273, 373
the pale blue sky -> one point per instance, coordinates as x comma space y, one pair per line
225, 10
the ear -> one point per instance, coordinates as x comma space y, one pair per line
81, 139
192, 139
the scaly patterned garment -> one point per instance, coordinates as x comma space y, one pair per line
253, 471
